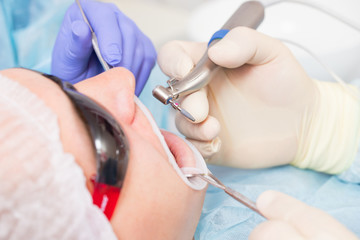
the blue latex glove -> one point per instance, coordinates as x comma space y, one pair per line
121, 44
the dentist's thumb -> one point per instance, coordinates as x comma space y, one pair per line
244, 45
289, 218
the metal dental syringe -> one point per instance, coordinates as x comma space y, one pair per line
249, 14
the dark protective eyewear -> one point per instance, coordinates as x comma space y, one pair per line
110, 144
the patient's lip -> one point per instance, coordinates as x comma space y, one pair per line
184, 156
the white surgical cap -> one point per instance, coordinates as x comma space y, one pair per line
42, 190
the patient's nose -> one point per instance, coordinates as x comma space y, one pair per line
114, 89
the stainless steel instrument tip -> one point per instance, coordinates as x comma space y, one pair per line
185, 113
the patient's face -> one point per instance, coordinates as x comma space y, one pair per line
154, 202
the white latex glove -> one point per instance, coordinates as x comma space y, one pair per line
258, 99
289, 218
270, 111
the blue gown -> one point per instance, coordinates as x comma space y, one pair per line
28, 32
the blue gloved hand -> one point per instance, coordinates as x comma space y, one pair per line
121, 44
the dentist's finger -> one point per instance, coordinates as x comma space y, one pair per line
72, 49
308, 220
130, 48
197, 105
177, 58
275, 230
144, 69
245, 46
204, 131
103, 19
207, 148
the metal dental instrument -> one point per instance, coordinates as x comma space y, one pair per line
211, 179
249, 14
94, 40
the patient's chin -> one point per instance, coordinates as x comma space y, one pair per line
183, 155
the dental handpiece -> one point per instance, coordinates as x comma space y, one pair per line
249, 14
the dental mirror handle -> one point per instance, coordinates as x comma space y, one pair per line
249, 14
243, 199
96, 48
94, 40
